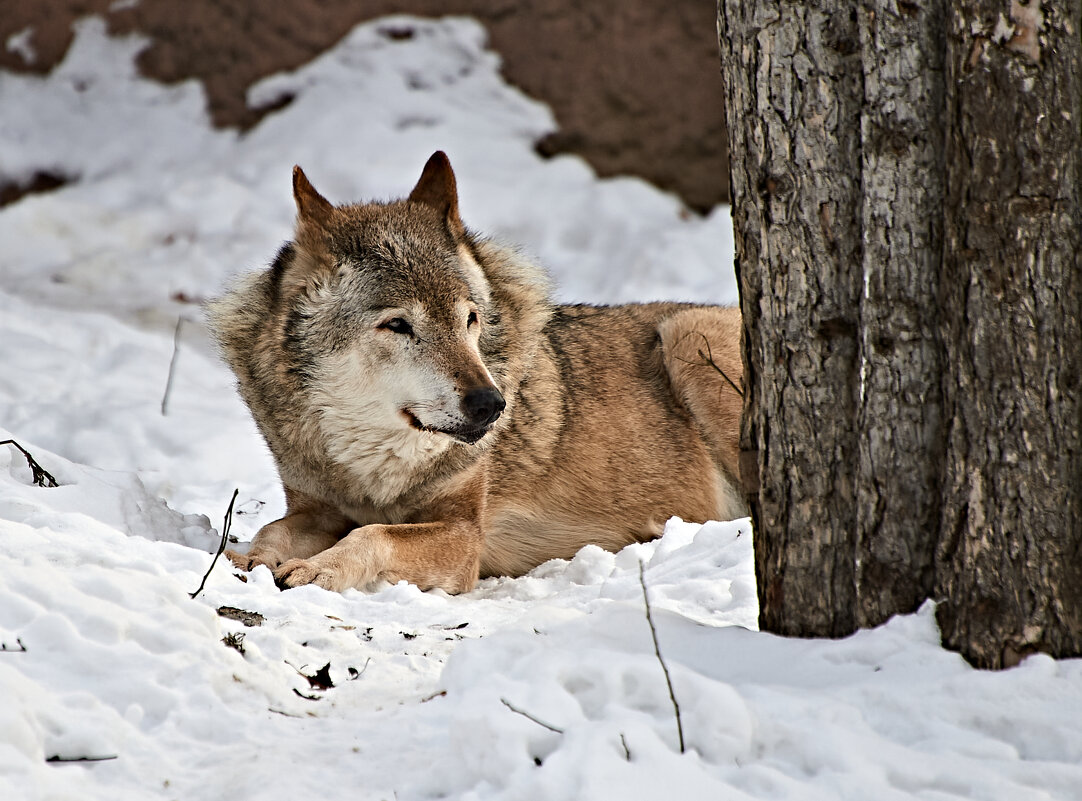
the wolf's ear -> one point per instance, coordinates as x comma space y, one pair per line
437, 189
312, 207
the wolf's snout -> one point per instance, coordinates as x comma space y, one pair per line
483, 406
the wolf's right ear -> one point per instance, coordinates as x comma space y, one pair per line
437, 188
312, 207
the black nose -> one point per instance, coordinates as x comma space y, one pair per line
483, 405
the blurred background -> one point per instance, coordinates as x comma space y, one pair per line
634, 86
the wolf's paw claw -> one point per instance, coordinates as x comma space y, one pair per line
298, 572
249, 561
241, 560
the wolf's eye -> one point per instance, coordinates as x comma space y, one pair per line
471, 320
397, 326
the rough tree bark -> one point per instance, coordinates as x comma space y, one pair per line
899, 417
797, 174
1010, 555
911, 283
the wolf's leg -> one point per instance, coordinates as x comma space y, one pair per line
298, 535
444, 555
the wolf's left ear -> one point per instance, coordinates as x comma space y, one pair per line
437, 189
311, 206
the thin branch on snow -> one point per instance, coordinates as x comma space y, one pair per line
221, 546
627, 751
58, 758
4, 647
42, 477
355, 674
528, 716
657, 651
172, 364
283, 713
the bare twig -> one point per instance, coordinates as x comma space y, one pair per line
627, 751
707, 357
20, 650
528, 716
283, 713
172, 364
657, 652
355, 674
58, 758
221, 546
42, 477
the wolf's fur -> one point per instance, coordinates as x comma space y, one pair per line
374, 385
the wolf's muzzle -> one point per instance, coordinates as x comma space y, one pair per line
482, 406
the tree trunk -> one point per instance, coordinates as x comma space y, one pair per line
906, 205
795, 170
899, 418
1010, 569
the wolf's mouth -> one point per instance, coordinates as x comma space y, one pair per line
461, 433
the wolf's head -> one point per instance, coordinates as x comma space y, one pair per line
383, 307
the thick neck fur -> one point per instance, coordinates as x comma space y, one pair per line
358, 434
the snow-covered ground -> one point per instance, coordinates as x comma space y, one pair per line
542, 687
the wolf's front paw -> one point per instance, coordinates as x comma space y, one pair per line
249, 561
297, 572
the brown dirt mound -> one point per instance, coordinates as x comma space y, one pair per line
635, 90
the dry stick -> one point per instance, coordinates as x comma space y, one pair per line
221, 546
709, 358
528, 716
42, 477
657, 651
172, 365
355, 674
282, 713
58, 758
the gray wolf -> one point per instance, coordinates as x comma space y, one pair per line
434, 417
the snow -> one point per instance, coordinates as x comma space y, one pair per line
96, 574
20, 43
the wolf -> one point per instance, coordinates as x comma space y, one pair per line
436, 418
